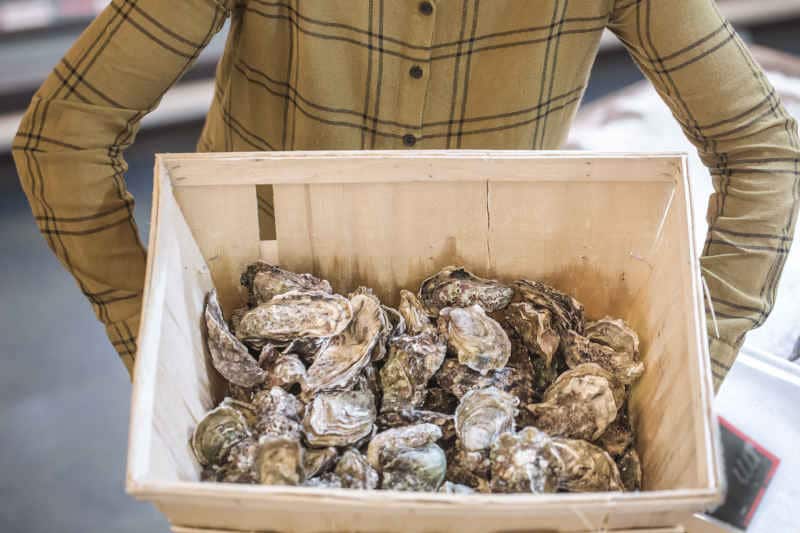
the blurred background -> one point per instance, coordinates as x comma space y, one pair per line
64, 396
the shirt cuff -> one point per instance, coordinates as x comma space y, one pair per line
722, 357
122, 335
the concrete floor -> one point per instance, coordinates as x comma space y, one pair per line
64, 396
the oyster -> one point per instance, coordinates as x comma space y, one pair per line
579, 349
296, 314
535, 328
244, 394
228, 354
279, 413
414, 314
339, 418
239, 466
475, 338
328, 480
405, 417
396, 319
318, 461
287, 370
482, 415
414, 436
618, 436
355, 472
614, 333
409, 469
566, 312
630, 470
308, 348
412, 362
440, 400
457, 287
449, 487
218, 431
524, 462
279, 461
470, 468
236, 317
583, 467
264, 281
339, 363
580, 404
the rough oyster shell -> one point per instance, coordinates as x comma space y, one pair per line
339, 363
329, 480
355, 472
296, 314
307, 349
614, 333
475, 338
228, 354
339, 418
456, 287
279, 413
618, 436
287, 370
264, 281
535, 328
236, 317
448, 487
218, 431
317, 461
414, 436
566, 312
523, 462
630, 470
584, 467
412, 362
414, 314
482, 415
279, 461
580, 404
239, 466
410, 469
405, 417
470, 468
457, 379
579, 349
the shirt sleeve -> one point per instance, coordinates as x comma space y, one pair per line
68, 150
745, 137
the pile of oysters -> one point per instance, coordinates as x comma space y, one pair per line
470, 385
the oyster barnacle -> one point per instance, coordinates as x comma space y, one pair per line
475, 338
296, 314
339, 418
524, 462
482, 415
579, 349
264, 281
279, 413
448, 487
405, 417
287, 370
218, 431
355, 472
470, 468
414, 436
630, 470
457, 287
412, 361
279, 461
409, 469
566, 312
414, 314
580, 404
535, 328
584, 467
318, 461
338, 365
228, 354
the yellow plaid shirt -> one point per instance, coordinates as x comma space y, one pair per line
392, 74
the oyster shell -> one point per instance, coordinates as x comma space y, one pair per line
339, 363
329, 480
414, 314
618, 436
440, 400
523, 462
580, 404
264, 281
279, 413
482, 415
475, 338
614, 333
279, 461
296, 314
318, 461
410, 469
456, 287
218, 431
584, 467
579, 349
448, 487
307, 349
566, 312
239, 466
355, 472
535, 328
228, 354
414, 436
339, 418
405, 417
470, 468
236, 317
630, 470
412, 362
287, 370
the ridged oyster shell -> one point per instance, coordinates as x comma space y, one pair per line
482, 415
584, 467
317, 461
457, 287
405, 417
355, 472
279, 461
524, 462
412, 361
414, 436
287, 370
264, 281
469, 468
610, 343
630, 470
278, 413
535, 329
409, 469
414, 314
339, 418
475, 338
566, 312
218, 431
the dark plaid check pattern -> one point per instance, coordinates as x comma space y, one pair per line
395, 74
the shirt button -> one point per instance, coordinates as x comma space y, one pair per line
415, 72
426, 8
409, 140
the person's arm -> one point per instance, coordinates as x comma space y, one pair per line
731, 113
68, 150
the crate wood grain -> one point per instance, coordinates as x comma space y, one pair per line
614, 230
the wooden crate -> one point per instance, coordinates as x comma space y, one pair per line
613, 230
